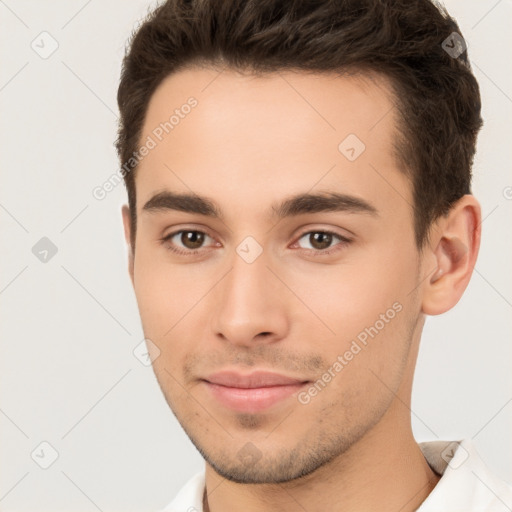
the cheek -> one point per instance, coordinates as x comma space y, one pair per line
351, 296
165, 292
172, 301
370, 311
364, 371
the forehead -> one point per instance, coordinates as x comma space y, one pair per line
232, 135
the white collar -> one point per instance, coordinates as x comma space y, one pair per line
466, 484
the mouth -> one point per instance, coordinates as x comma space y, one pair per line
252, 393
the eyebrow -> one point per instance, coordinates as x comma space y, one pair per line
295, 205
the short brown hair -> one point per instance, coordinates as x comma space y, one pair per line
437, 96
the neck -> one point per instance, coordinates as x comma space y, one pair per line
385, 470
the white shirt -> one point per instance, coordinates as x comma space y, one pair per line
466, 484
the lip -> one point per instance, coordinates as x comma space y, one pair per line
253, 392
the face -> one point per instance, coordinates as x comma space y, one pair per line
280, 298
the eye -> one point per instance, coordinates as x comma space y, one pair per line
188, 242
320, 242
185, 241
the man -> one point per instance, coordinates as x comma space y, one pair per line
298, 180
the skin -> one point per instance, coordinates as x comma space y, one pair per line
249, 143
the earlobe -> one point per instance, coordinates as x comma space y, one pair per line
454, 249
127, 236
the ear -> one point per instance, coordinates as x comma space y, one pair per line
452, 252
127, 237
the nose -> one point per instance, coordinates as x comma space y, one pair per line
250, 306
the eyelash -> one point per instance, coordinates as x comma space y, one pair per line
344, 241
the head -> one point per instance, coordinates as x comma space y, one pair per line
298, 200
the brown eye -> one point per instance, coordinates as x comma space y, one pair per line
192, 239
320, 240
186, 241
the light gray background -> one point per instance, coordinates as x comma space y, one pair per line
69, 326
